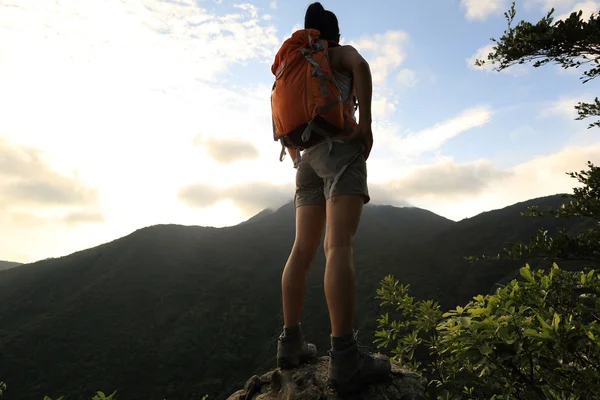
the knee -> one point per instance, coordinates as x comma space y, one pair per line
338, 243
304, 253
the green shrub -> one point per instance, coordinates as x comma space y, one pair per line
538, 338
97, 396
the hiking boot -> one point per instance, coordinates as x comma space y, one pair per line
293, 350
353, 368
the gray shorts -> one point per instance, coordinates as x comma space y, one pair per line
323, 173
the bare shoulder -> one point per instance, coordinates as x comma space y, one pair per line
343, 51
345, 57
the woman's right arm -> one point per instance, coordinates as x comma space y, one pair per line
350, 59
347, 58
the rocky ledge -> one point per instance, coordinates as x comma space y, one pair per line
309, 382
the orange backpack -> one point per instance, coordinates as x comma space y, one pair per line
305, 98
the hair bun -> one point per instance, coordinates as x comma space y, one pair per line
316, 7
315, 14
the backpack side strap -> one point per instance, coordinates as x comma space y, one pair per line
316, 71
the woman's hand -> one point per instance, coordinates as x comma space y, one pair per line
364, 135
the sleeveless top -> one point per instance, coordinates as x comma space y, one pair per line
343, 83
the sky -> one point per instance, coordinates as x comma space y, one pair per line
121, 114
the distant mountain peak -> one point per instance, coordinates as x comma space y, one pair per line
8, 264
258, 217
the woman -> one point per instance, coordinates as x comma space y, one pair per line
331, 189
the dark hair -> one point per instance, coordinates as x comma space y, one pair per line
324, 21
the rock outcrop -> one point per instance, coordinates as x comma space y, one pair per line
309, 382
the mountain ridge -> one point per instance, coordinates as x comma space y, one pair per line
8, 264
183, 303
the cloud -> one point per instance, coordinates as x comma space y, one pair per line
137, 77
382, 194
200, 195
538, 177
564, 107
26, 179
444, 181
82, 217
29, 235
433, 138
250, 197
18, 161
482, 54
480, 10
148, 38
273, 4
61, 192
407, 77
454, 190
256, 195
546, 5
384, 52
564, 8
447, 179
587, 8
248, 8
382, 107
441, 179
227, 151
38, 205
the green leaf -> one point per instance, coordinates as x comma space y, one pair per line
545, 325
526, 273
477, 311
536, 334
555, 321
485, 350
465, 321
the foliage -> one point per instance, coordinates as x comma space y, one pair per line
571, 43
538, 338
97, 396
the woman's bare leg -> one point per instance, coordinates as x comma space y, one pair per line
350, 368
343, 217
292, 349
310, 221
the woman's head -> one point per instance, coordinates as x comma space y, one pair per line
324, 21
